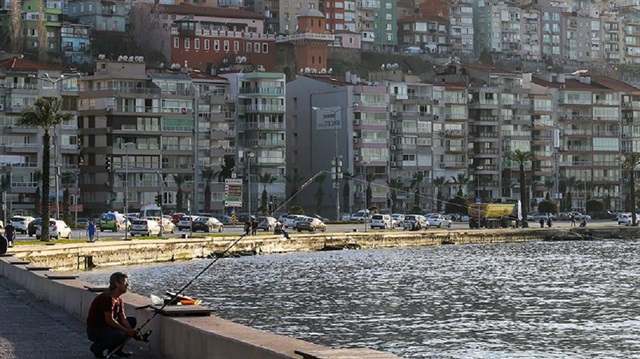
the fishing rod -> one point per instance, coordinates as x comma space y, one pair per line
144, 337
304, 185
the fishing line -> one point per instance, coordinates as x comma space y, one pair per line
175, 296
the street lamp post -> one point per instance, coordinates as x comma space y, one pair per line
126, 187
585, 193
478, 199
250, 155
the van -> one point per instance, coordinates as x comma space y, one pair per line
412, 50
113, 221
145, 227
382, 221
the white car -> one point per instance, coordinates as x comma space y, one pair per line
625, 218
145, 227
398, 219
21, 223
57, 229
438, 220
290, 221
382, 221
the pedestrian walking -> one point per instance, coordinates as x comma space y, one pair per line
10, 233
91, 231
541, 222
549, 222
254, 227
573, 220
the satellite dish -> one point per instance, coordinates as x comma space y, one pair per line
382, 67
238, 59
314, 71
330, 70
130, 58
307, 70
244, 59
101, 56
225, 60
395, 65
120, 58
389, 66
301, 71
323, 71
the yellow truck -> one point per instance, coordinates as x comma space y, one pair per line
494, 215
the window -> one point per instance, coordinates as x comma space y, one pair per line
265, 48
236, 46
207, 43
256, 48
216, 45
248, 47
176, 42
81, 7
187, 43
196, 44
90, 7
226, 45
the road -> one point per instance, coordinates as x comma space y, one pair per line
342, 227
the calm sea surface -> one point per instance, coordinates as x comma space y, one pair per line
526, 300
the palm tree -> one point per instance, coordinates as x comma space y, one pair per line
416, 183
319, 192
570, 183
37, 202
608, 187
461, 179
227, 168
631, 161
5, 184
394, 185
438, 183
45, 114
369, 177
522, 157
265, 179
207, 175
346, 190
67, 180
548, 184
293, 181
180, 179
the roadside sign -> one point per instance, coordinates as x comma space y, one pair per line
478, 200
233, 192
233, 217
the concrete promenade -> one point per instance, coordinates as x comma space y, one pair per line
35, 329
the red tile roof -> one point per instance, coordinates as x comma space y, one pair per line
24, 64
487, 68
569, 84
614, 84
187, 9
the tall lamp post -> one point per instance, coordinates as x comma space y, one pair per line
250, 155
585, 193
336, 163
126, 187
478, 199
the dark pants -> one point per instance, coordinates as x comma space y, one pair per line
109, 338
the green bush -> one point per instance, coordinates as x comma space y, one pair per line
595, 206
296, 210
415, 210
547, 207
457, 205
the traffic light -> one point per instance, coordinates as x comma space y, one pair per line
107, 164
159, 199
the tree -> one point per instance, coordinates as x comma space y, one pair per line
370, 177
16, 26
457, 205
67, 180
180, 179
522, 157
265, 179
461, 179
416, 182
227, 168
629, 164
293, 181
319, 192
547, 207
207, 175
594, 206
37, 202
45, 114
146, 37
570, 184
439, 183
394, 185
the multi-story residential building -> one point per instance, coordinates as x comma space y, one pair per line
51, 15
203, 37
498, 28
461, 27
76, 43
427, 32
377, 22
530, 36
281, 15
612, 38
261, 132
22, 82
108, 15
550, 25
581, 38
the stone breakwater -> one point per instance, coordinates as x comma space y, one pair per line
84, 256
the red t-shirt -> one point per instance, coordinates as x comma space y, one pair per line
101, 304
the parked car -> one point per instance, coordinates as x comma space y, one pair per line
57, 229
382, 221
438, 220
398, 219
33, 225
290, 221
207, 224
360, 216
415, 222
82, 222
267, 224
145, 227
175, 217
625, 218
224, 219
345, 217
184, 224
167, 225
113, 221
311, 224
579, 216
21, 223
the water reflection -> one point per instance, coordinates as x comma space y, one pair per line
531, 300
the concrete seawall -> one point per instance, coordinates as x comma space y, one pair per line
196, 337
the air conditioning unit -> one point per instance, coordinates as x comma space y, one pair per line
394, 163
1, 107
357, 158
626, 135
393, 147
394, 113
442, 165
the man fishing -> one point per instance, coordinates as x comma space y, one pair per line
108, 327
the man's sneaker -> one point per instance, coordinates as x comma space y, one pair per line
96, 352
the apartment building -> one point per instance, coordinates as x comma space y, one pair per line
530, 27
581, 38
430, 33
498, 29
281, 16
22, 82
377, 22
50, 12
107, 15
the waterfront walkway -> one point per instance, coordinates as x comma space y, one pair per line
35, 329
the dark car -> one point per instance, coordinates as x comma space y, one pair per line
267, 224
31, 228
206, 224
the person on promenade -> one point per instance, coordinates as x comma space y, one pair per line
10, 233
254, 227
108, 327
549, 222
541, 222
247, 228
573, 220
583, 223
91, 231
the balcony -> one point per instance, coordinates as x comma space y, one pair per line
23, 147
278, 91
262, 108
278, 126
265, 143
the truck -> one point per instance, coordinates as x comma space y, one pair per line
494, 215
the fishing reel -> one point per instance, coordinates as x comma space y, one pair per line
144, 337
